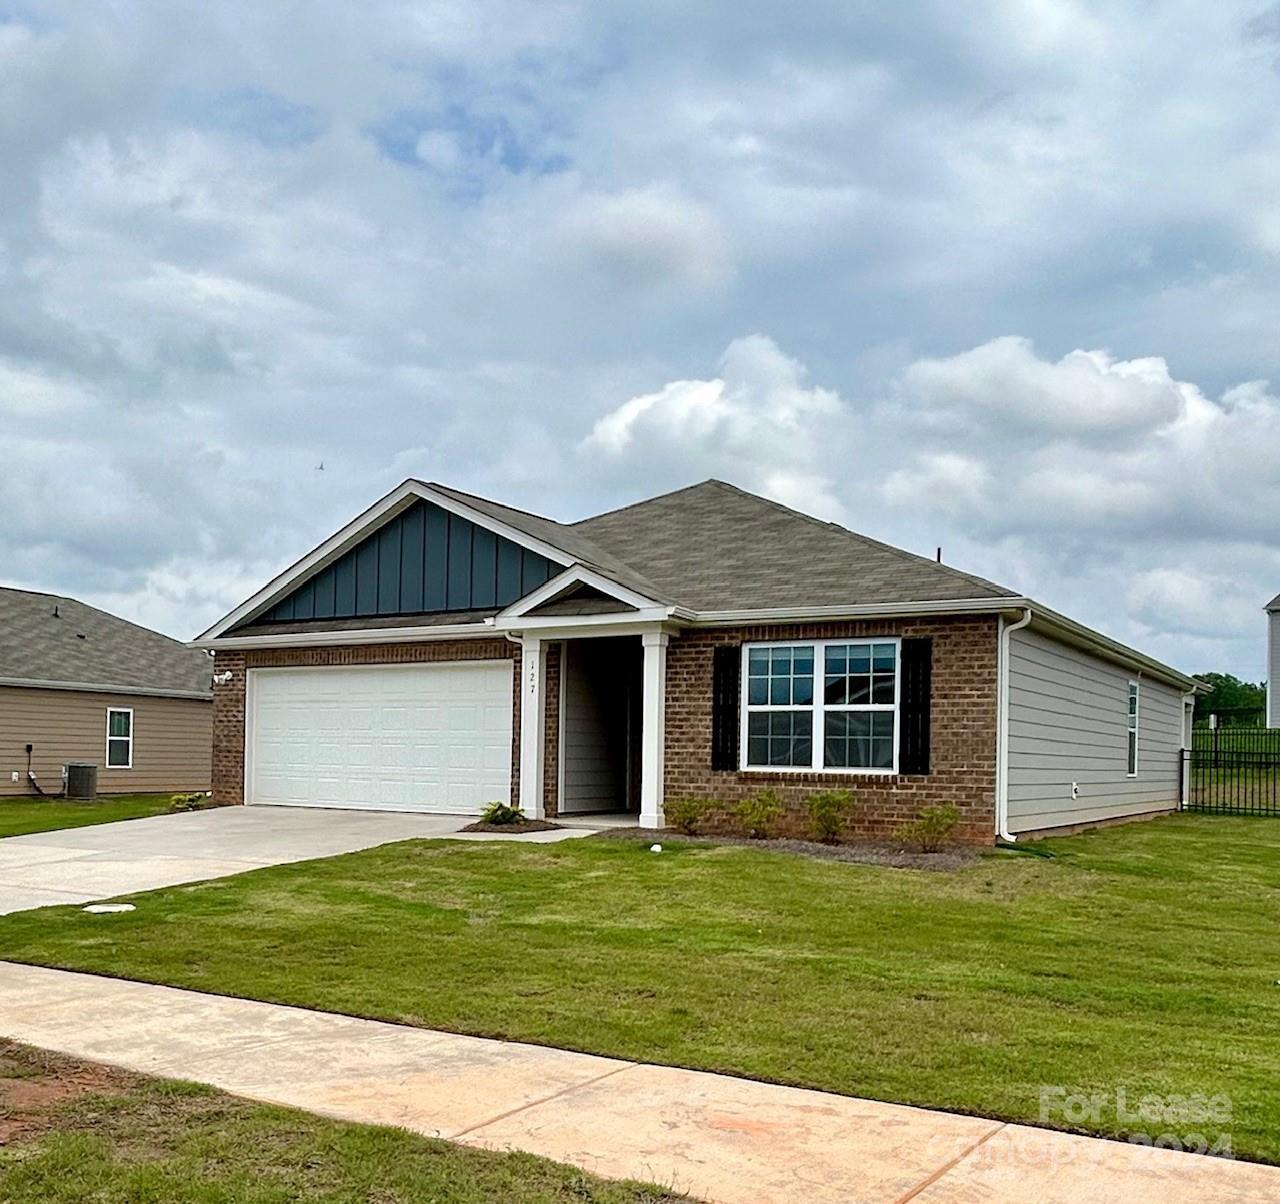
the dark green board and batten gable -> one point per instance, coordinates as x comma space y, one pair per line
424, 561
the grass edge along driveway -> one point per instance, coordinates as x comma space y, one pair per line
1141, 959
24, 815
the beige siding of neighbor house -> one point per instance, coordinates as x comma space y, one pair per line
1068, 722
172, 740
1273, 669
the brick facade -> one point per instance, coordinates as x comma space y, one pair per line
963, 720
963, 744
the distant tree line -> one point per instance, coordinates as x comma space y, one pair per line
1230, 697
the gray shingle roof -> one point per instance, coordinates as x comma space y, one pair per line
50, 638
716, 547
1274, 604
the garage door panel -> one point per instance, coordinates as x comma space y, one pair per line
421, 737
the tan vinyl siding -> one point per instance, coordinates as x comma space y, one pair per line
1068, 722
172, 740
594, 760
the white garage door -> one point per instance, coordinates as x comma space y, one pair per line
386, 737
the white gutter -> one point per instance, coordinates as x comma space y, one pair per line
1002, 724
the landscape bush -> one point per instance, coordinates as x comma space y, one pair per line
500, 814
685, 814
933, 829
829, 812
759, 814
195, 800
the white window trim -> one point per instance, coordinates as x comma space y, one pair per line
1133, 723
819, 707
107, 747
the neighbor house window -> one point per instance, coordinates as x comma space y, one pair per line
1133, 729
826, 705
119, 738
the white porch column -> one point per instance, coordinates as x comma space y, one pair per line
653, 725
533, 710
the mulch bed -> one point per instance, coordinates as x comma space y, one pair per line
524, 825
884, 853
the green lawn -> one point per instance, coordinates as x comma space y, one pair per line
1144, 958
129, 1139
19, 816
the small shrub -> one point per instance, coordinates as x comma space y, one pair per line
685, 814
500, 813
933, 829
829, 811
760, 813
197, 800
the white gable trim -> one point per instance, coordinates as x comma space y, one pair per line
363, 525
575, 575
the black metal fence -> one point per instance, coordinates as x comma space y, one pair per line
1232, 771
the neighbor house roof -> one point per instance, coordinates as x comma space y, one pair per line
1274, 604
53, 641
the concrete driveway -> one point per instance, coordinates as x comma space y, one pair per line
79, 865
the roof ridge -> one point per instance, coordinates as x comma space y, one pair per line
479, 497
35, 593
657, 497
901, 553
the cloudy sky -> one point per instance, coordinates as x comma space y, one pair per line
1003, 277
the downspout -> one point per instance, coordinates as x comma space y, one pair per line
1002, 724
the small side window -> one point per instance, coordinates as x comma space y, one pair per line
119, 738
1133, 729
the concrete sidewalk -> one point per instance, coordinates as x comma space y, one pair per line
100, 861
718, 1138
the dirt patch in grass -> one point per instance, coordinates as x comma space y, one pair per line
524, 825
73, 1131
894, 856
35, 1084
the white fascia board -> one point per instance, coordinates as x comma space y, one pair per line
574, 627
577, 574
108, 688
367, 635
382, 511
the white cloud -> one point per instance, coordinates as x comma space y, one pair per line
759, 422
36, 394
1195, 603
1083, 393
651, 236
951, 483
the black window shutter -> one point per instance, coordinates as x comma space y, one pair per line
916, 696
726, 669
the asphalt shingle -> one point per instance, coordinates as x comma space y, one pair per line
50, 638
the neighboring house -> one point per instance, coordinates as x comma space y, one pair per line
1273, 662
442, 650
78, 684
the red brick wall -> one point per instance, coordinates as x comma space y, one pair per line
228, 700
551, 743
963, 752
